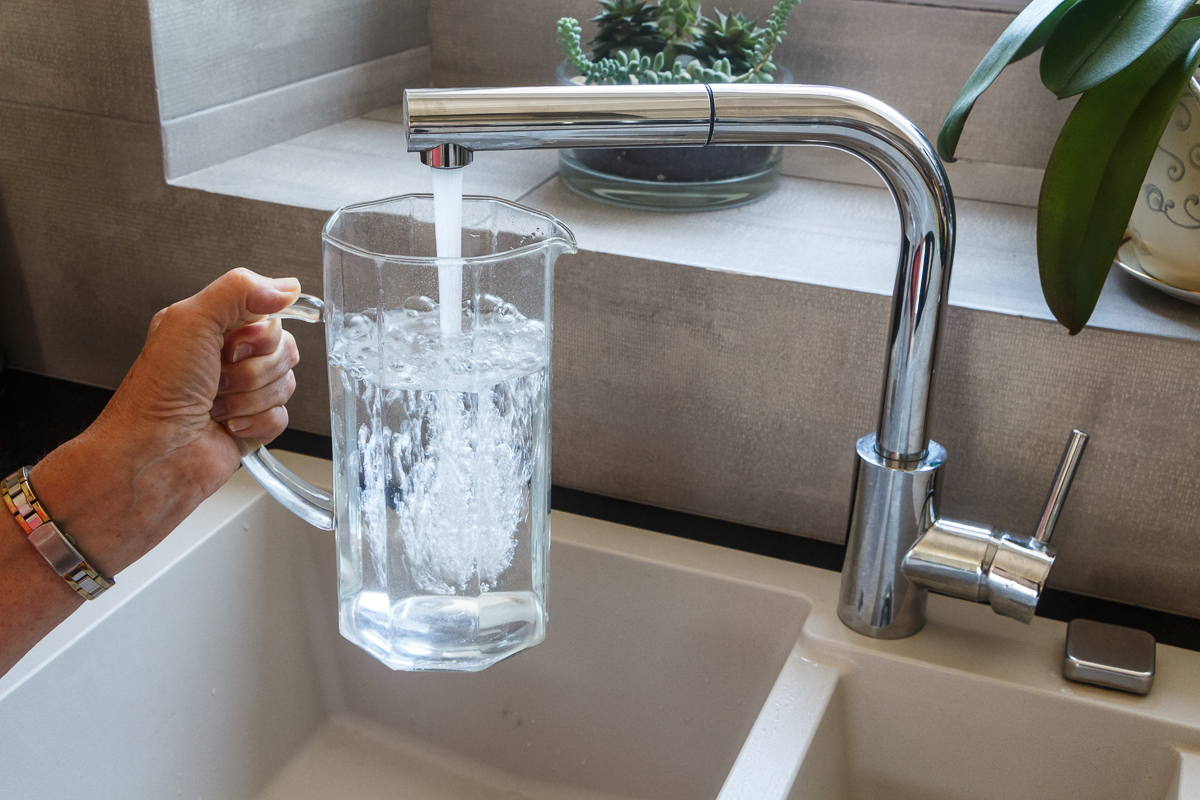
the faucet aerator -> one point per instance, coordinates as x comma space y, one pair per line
447, 156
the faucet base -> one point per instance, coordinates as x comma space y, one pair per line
891, 503
911, 621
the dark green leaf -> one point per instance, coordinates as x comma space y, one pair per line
1023, 36
1097, 168
1099, 38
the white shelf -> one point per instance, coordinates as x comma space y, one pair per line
818, 232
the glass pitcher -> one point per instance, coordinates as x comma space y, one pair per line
441, 430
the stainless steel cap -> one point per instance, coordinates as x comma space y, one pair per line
1109, 655
447, 156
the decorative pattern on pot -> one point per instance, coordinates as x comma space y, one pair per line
1165, 225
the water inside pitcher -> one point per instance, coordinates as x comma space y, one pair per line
441, 437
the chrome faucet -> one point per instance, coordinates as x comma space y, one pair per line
897, 547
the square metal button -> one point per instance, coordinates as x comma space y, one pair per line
1109, 655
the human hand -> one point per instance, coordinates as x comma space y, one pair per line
210, 369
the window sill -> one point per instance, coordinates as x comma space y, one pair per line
824, 233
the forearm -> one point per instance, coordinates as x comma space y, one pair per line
33, 599
114, 504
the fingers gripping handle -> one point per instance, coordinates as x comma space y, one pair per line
313, 505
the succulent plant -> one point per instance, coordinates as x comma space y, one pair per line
637, 43
625, 25
678, 22
731, 37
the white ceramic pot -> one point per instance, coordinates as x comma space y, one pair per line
1166, 220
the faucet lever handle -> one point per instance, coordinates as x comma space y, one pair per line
1061, 485
1019, 568
980, 564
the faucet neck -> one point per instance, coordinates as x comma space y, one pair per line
726, 114
901, 155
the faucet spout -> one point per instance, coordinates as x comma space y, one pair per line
897, 461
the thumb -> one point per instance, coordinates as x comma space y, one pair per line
241, 296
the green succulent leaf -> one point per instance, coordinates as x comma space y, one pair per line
1096, 170
623, 25
1028, 32
729, 37
678, 20
569, 32
1099, 38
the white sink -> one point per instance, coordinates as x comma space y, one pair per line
215, 670
671, 669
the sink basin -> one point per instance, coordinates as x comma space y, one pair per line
218, 672
909, 732
671, 669
974, 707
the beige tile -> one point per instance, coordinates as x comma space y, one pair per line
740, 398
92, 56
720, 394
499, 44
222, 133
94, 243
215, 52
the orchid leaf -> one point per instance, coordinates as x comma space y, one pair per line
1027, 32
1096, 170
1099, 38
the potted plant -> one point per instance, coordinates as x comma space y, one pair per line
1130, 61
672, 42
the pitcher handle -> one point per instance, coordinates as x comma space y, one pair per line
313, 505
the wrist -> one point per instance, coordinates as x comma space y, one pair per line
79, 487
33, 599
104, 491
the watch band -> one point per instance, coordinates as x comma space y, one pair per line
55, 547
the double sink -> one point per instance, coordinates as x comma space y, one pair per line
672, 670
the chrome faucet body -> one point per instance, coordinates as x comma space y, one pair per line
894, 494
